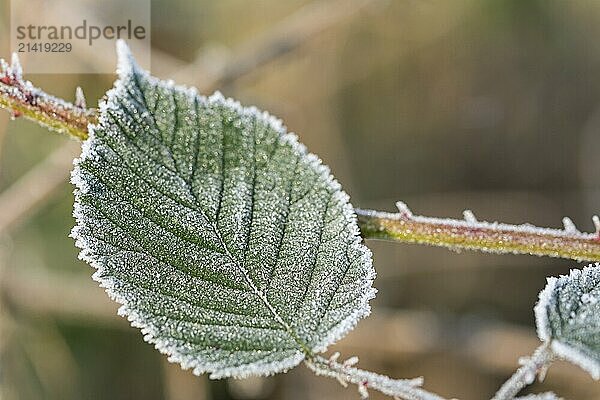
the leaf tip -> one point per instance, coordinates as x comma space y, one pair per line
125, 60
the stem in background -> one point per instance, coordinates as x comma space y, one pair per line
406, 389
34, 187
484, 236
531, 367
21, 98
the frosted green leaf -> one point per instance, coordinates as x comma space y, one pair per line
232, 248
568, 317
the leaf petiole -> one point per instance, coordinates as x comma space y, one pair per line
531, 367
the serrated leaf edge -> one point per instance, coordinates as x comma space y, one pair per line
127, 65
544, 332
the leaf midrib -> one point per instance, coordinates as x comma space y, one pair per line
303, 346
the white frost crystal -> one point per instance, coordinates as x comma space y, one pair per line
232, 248
568, 317
540, 396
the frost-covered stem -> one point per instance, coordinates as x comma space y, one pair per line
406, 389
490, 237
21, 98
531, 367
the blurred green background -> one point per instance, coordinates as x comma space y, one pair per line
488, 105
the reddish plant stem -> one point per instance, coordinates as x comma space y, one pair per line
484, 236
21, 98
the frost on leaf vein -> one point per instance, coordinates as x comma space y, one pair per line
232, 248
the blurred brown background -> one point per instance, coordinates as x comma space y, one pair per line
488, 105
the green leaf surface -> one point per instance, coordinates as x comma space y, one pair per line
232, 248
568, 317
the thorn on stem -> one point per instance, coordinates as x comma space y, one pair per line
334, 357
15, 68
350, 362
469, 217
4, 72
569, 226
403, 210
3, 66
523, 361
11, 74
80, 98
341, 381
